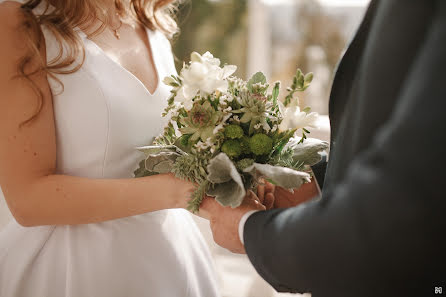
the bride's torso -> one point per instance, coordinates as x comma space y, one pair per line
105, 111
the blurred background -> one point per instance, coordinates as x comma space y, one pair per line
275, 37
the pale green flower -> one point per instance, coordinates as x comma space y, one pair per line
201, 121
255, 110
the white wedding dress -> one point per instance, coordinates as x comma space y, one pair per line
103, 113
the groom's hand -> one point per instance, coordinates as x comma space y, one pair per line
286, 199
225, 220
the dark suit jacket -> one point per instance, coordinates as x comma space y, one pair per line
379, 227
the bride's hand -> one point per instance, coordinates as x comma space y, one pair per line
180, 191
265, 197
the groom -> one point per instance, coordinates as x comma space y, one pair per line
379, 227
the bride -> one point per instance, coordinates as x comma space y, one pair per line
80, 83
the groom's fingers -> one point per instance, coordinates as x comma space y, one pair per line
269, 187
261, 193
269, 201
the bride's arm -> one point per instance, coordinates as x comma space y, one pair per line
34, 193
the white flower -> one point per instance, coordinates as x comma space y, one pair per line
203, 75
294, 118
274, 128
218, 128
228, 109
227, 97
168, 80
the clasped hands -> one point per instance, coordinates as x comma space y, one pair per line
225, 220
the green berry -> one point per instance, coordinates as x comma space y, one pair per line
231, 148
233, 132
260, 144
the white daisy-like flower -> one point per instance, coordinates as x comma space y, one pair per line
294, 118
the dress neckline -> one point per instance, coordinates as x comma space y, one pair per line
149, 34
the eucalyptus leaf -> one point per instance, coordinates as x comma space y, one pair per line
284, 177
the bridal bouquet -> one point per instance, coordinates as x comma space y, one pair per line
226, 134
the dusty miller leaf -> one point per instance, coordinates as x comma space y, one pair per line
228, 188
309, 151
156, 149
284, 177
162, 162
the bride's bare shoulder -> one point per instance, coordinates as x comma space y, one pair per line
12, 32
11, 14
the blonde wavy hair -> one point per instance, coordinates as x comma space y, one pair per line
65, 15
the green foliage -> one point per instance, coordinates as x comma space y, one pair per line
233, 132
280, 141
304, 135
258, 78
198, 196
261, 144
301, 82
191, 167
275, 96
285, 159
168, 137
184, 140
231, 148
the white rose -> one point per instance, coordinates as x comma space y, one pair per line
205, 76
294, 118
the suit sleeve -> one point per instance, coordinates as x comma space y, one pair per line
381, 230
319, 171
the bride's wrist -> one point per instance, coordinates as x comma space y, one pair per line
178, 191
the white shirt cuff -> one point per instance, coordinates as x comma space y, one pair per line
241, 225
